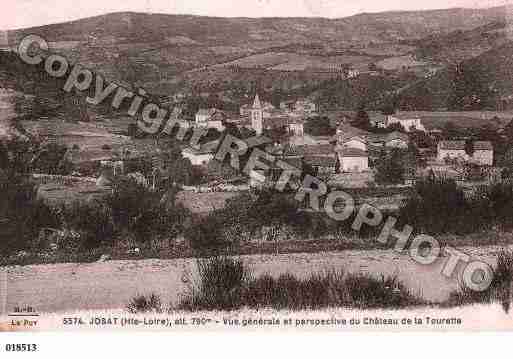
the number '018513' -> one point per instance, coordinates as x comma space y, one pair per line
21, 347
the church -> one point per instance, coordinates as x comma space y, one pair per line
264, 116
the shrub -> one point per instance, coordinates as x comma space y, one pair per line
227, 285
500, 196
205, 236
498, 291
145, 304
22, 215
92, 220
437, 206
369, 292
391, 167
143, 212
222, 282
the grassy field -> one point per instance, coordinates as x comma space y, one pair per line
91, 138
288, 61
467, 119
57, 194
204, 203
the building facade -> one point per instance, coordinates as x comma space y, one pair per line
482, 152
210, 118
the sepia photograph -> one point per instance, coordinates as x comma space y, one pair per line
256, 165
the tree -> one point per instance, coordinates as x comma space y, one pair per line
391, 167
508, 131
273, 210
319, 126
421, 139
362, 119
450, 131
468, 92
508, 162
22, 215
469, 147
143, 212
205, 235
389, 109
277, 134
396, 127
177, 169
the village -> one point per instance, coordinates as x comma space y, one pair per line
350, 157
354, 150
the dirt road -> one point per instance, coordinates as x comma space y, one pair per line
110, 285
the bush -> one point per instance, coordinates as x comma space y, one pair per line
143, 304
391, 167
144, 212
222, 282
498, 291
227, 285
22, 215
438, 206
205, 235
92, 220
369, 292
500, 196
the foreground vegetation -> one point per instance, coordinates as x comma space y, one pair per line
134, 216
499, 291
227, 284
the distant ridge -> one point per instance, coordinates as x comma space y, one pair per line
378, 26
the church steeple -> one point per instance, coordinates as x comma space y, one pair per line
257, 116
256, 103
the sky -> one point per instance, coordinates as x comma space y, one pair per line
26, 13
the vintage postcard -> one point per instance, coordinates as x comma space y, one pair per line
293, 165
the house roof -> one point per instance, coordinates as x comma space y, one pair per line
396, 135
406, 116
483, 145
347, 132
321, 161
321, 138
207, 148
281, 121
451, 145
460, 145
325, 149
353, 152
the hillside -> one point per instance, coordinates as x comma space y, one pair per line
461, 45
386, 26
483, 82
182, 54
158, 47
